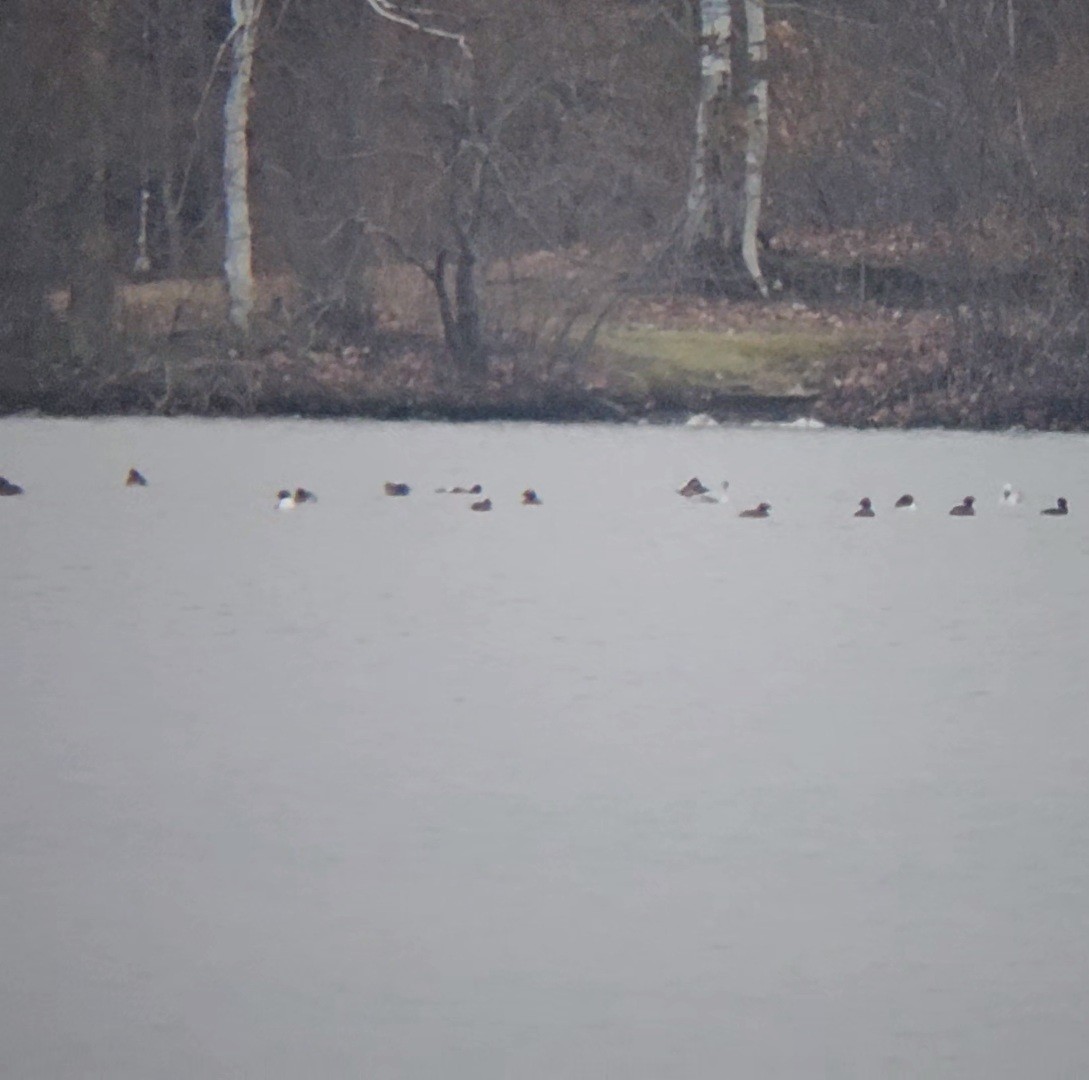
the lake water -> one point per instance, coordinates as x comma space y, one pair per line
621, 786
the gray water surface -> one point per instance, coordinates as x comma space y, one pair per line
620, 786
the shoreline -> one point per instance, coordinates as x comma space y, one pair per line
697, 410
731, 363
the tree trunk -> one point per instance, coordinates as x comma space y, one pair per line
90, 311
756, 139
707, 217
172, 219
471, 346
238, 261
722, 214
446, 309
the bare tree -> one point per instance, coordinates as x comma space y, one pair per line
238, 259
731, 139
708, 205
184, 143
756, 138
238, 262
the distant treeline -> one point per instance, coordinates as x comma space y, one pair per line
505, 129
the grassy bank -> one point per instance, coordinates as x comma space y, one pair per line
753, 361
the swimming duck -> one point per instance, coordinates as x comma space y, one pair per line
303, 496
396, 489
1060, 509
865, 508
531, 498
481, 504
905, 502
1010, 496
285, 500
693, 487
761, 511
8, 488
708, 497
476, 489
135, 479
965, 508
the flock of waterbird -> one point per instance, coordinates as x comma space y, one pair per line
694, 489
288, 500
699, 492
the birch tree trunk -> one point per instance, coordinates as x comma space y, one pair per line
722, 213
706, 214
756, 139
238, 260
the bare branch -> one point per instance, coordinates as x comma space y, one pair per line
388, 10
399, 249
198, 112
816, 12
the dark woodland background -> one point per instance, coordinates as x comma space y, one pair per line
926, 157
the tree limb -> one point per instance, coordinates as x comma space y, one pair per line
388, 10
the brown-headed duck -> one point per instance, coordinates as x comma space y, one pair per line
1060, 509
865, 508
481, 504
135, 479
905, 502
303, 496
964, 509
396, 489
761, 511
531, 498
8, 488
693, 487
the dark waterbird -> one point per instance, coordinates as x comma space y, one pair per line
693, 487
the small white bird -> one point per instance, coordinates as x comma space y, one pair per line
1010, 496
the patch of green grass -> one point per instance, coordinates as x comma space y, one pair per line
770, 362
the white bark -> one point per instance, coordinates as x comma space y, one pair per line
756, 139
389, 10
715, 87
238, 260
